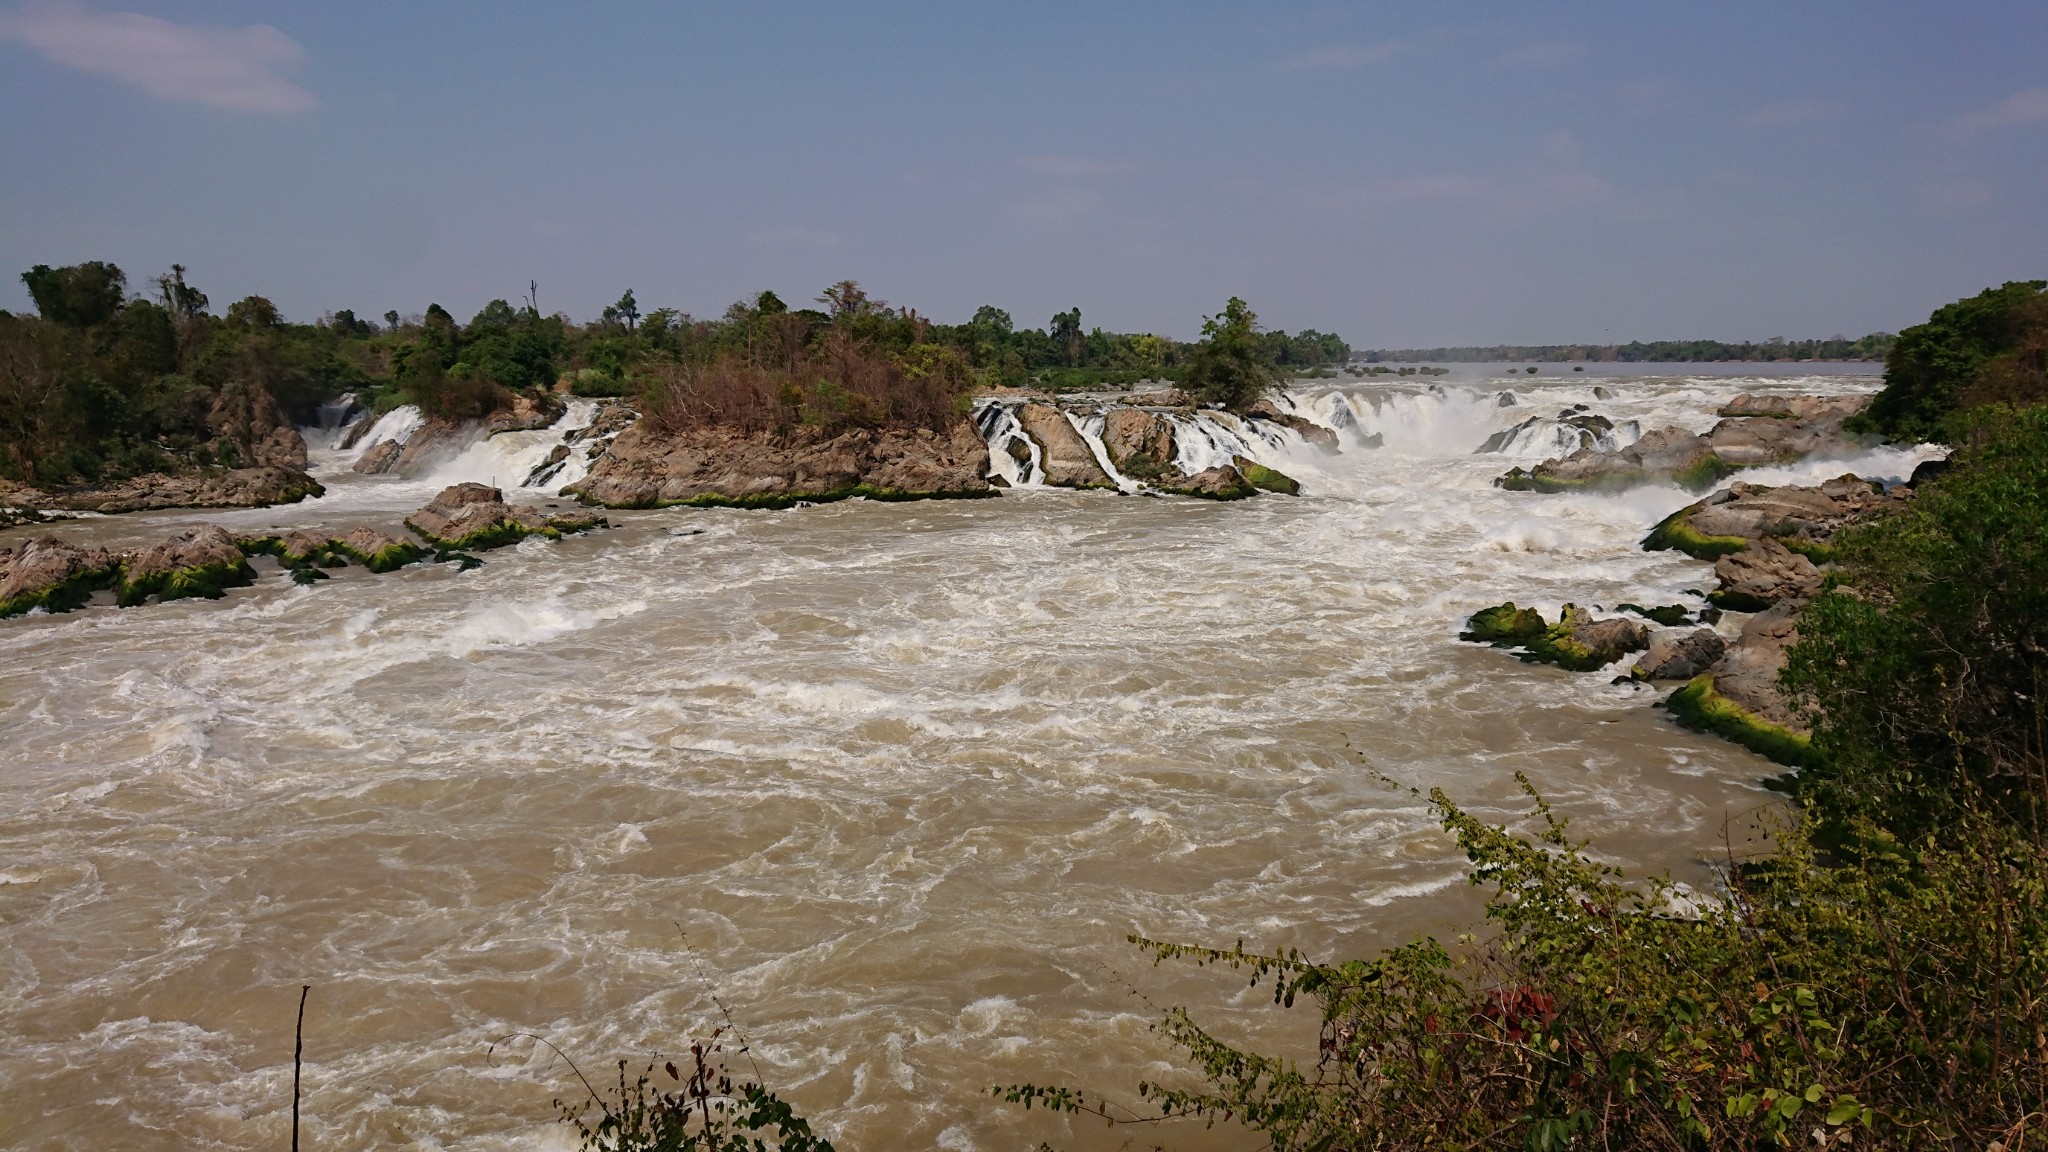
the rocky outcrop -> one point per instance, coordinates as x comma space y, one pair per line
48, 573
1680, 655
378, 551
1761, 575
1768, 430
1063, 455
220, 488
1265, 479
1577, 642
1803, 518
476, 516
1310, 431
723, 467
527, 413
302, 549
202, 561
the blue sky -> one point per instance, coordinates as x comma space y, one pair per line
1400, 174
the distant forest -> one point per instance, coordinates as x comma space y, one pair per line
1871, 347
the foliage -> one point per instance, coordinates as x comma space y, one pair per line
1927, 660
707, 1112
1880, 976
1990, 347
1231, 366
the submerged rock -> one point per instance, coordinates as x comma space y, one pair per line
1219, 483
203, 562
51, 574
1680, 655
301, 549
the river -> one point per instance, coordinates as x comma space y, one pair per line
894, 781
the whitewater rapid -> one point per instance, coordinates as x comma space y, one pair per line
895, 779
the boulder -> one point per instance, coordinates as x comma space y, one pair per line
1063, 454
1310, 431
1804, 518
1504, 624
1265, 479
51, 574
1579, 643
1762, 575
378, 458
228, 488
202, 561
281, 447
378, 551
1219, 483
1680, 655
476, 516
528, 412
1139, 443
1816, 408
1747, 673
301, 549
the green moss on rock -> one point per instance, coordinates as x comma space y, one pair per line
1266, 479
204, 581
1675, 532
64, 596
1699, 707
1504, 624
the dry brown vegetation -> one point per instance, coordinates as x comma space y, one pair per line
781, 384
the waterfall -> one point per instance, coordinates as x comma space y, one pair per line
1012, 456
525, 459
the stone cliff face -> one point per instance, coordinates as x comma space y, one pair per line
723, 467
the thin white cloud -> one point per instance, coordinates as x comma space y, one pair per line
1542, 54
232, 68
1342, 56
1798, 112
2027, 106
1074, 167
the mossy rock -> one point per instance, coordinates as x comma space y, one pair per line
1504, 624
1813, 550
63, 596
1676, 533
303, 576
496, 534
1699, 707
205, 581
1556, 646
1266, 479
389, 559
1235, 489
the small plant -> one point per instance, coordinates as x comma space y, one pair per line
705, 1112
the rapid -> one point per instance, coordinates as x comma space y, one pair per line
888, 783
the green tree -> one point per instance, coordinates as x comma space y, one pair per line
79, 295
1928, 374
1066, 334
1230, 366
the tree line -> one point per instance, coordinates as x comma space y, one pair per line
1872, 347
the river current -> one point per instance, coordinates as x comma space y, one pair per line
892, 782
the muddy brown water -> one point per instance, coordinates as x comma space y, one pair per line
892, 781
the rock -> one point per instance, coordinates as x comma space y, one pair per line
1747, 673
431, 443
1265, 479
1167, 398
1599, 393
1139, 443
1504, 624
282, 447
526, 414
48, 573
547, 469
1063, 455
476, 516
1506, 400
1579, 643
1803, 518
1815, 408
1310, 431
1762, 575
232, 488
1669, 615
1680, 656
1663, 454
377, 551
1926, 470
1700, 707
379, 458
713, 466
202, 561
301, 549
1220, 483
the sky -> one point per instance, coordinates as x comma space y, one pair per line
1402, 174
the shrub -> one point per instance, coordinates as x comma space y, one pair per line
840, 382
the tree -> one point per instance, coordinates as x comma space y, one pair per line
626, 311
1932, 366
1230, 367
184, 302
848, 299
79, 295
253, 312
1066, 334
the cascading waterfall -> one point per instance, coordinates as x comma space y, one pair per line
526, 459
1013, 457
1090, 425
